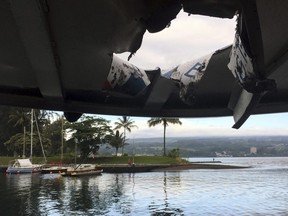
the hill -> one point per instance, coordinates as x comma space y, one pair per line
209, 146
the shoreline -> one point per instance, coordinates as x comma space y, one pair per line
124, 168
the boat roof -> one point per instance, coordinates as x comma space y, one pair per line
24, 162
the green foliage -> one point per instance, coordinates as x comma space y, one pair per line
15, 144
127, 124
18, 120
165, 122
105, 160
174, 153
137, 159
116, 140
89, 132
20, 117
53, 133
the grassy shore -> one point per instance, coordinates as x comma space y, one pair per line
149, 160
120, 164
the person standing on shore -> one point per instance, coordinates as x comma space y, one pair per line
129, 162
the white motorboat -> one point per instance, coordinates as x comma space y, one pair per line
19, 166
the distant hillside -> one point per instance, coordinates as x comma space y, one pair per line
209, 146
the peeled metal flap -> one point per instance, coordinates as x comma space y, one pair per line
240, 63
188, 75
126, 78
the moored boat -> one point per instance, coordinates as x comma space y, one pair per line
53, 169
20, 166
86, 173
81, 169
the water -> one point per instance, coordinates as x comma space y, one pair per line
260, 190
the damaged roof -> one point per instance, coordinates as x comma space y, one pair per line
59, 55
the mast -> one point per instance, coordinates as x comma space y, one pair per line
31, 147
62, 139
24, 142
40, 140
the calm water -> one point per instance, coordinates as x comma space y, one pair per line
260, 190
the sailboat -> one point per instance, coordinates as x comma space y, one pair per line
19, 166
59, 168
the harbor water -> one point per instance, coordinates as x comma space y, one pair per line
259, 190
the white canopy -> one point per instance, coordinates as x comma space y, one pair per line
24, 162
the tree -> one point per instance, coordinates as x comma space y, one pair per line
116, 140
89, 132
53, 132
20, 117
165, 121
15, 143
127, 124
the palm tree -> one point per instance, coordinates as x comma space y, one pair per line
156, 121
127, 124
116, 140
21, 117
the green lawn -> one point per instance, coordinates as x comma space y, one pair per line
104, 160
137, 160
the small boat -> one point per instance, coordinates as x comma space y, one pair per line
86, 173
81, 170
53, 169
20, 166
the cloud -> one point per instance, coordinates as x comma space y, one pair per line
188, 38
220, 126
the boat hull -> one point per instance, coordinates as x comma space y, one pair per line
82, 173
86, 173
53, 170
11, 170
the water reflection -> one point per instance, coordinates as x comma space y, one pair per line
54, 195
109, 194
164, 208
91, 195
255, 191
20, 192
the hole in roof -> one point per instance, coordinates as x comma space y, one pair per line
187, 38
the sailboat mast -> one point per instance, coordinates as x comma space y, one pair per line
31, 147
62, 138
24, 142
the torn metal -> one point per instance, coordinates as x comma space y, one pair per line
254, 85
241, 64
126, 78
188, 76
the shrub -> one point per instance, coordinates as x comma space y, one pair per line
174, 153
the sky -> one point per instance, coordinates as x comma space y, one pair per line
188, 38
